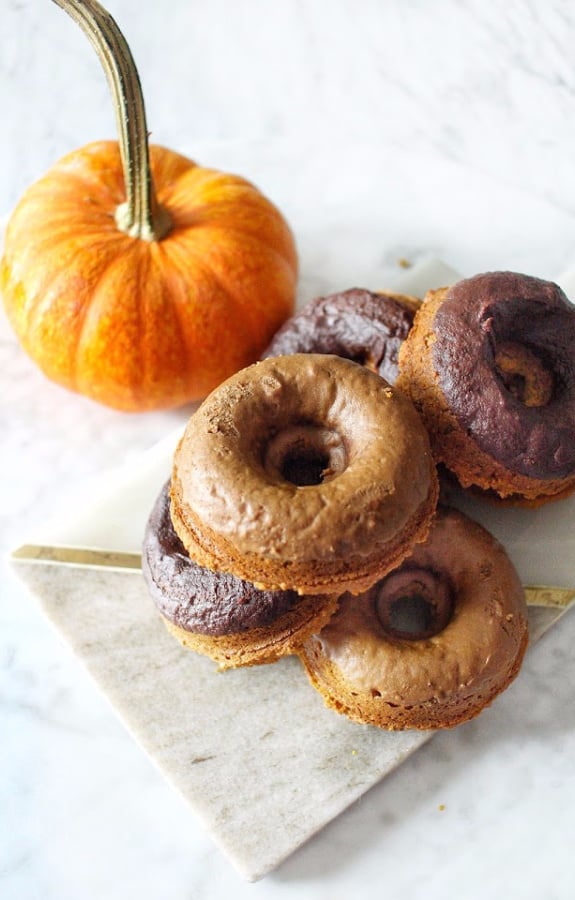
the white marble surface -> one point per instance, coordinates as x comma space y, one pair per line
383, 131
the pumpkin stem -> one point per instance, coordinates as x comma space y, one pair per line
141, 216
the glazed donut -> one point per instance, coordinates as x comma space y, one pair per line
218, 615
490, 364
357, 324
431, 644
304, 472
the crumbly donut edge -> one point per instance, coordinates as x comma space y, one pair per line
427, 716
260, 646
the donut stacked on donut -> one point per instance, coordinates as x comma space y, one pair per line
357, 324
490, 364
304, 472
299, 478
216, 614
304, 486
431, 644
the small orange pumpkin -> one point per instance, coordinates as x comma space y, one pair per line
133, 275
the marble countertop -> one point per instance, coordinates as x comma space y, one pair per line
384, 132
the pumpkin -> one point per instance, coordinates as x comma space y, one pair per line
131, 274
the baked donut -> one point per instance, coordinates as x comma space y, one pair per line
490, 364
219, 615
431, 644
304, 472
357, 324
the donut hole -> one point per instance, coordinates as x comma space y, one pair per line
411, 614
304, 466
414, 604
524, 373
305, 454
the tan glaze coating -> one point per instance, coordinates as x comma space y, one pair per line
234, 509
258, 646
376, 678
450, 442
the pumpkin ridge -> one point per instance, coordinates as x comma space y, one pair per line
168, 169
208, 211
42, 242
83, 167
31, 310
61, 184
226, 228
92, 310
177, 295
181, 255
239, 307
86, 309
250, 314
257, 239
259, 219
143, 269
60, 228
197, 179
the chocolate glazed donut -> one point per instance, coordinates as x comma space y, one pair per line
431, 644
366, 327
195, 598
490, 364
216, 614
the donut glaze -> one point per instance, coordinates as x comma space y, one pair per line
239, 504
215, 614
366, 327
478, 315
490, 364
468, 649
195, 598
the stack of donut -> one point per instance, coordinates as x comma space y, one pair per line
301, 514
298, 479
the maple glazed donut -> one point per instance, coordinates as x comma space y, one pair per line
431, 644
490, 364
219, 615
305, 472
357, 324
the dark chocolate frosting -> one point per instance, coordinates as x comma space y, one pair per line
478, 315
356, 324
195, 598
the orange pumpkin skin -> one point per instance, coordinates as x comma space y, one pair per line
135, 324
